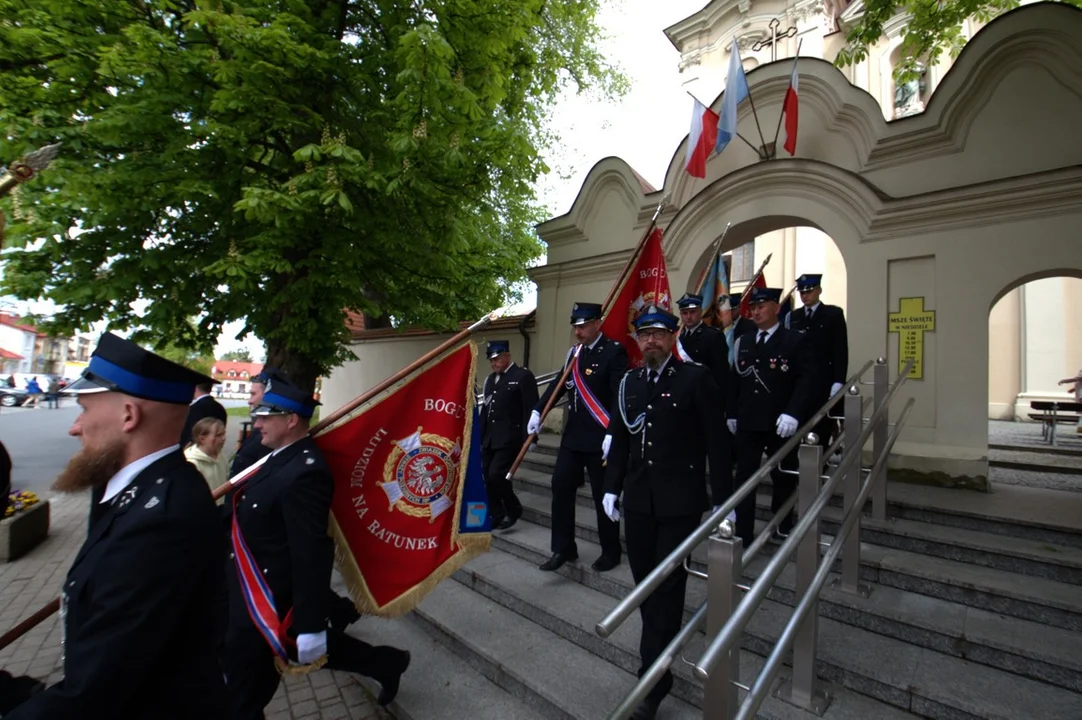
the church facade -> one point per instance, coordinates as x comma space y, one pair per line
924, 206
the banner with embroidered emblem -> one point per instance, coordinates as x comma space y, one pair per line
409, 504
647, 284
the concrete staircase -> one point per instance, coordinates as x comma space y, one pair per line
975, 612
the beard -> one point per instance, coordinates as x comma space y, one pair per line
90, 468
654, 358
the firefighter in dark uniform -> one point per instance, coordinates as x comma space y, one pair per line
667, 423
600, 365
253, 448
770, 395
509, 396
704, 344
829, 338
138, 604
279, 525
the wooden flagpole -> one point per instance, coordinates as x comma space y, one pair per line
616, 288
26, 625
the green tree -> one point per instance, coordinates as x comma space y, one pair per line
238, 356
283, 160
188, 357
934, 28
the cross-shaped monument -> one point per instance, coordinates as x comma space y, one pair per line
772, 41
911, 322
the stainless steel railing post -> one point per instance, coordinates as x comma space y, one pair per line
803, 689
850, 580
724, 568
881, 377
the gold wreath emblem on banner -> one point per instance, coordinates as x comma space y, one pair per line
420, 473
635, 309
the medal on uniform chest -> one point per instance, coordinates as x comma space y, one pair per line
589, 371
773, 363
784, 365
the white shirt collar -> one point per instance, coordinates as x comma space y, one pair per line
769, 332
597, 339
692, 329
660, 369
275, 452
812, 308
193, 402
128, 473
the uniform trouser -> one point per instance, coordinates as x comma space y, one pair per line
751, 446
502, 500
252, 678
566, 478
649, 541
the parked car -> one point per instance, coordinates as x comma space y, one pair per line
12, 397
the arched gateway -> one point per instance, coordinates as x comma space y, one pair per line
938, 212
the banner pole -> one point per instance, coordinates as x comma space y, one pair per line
617, 286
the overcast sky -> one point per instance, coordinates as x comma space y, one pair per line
644, 127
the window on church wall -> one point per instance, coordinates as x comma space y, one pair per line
741, 262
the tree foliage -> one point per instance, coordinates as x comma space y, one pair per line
282, 161
238, 356
933, 28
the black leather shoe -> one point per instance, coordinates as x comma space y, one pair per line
604, 563
558, 559
646, 710
388, 684
507, 522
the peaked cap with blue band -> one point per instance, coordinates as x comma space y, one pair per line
268, 373
655, 317
284, 398
582, 313
809, 281
762, 295
496, 347
690, 300
119, 365
734, 301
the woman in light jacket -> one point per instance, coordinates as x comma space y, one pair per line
205, 451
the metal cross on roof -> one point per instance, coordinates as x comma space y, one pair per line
772, 41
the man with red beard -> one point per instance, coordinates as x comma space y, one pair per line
138, 604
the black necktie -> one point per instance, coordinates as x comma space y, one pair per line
651, 377
810, 313
762, 338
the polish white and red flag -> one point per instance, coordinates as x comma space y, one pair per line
701, 139
790, 107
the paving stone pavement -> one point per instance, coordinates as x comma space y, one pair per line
35, 579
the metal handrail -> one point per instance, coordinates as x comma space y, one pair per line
739, 620
770, 669
644, 589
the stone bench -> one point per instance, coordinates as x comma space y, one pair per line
23, 531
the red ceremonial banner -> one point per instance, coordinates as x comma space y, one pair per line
399, 463
647, 284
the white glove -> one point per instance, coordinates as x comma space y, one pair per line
787, 425
534, 426
609, 504
731, 422
605, 445
311, 647
835, 389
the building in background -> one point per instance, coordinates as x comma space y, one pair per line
233, 379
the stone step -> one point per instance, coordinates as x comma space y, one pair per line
1015, 459
571, 610
1018, 555
862, 658
1039, 514
1029, 598
552, 675
438, 685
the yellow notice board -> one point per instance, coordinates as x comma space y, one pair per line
911, 322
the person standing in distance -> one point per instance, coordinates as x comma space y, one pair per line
770, 394
829, 341
138, 604
203, 406
667, 423
591, 387
508, 398
704, 344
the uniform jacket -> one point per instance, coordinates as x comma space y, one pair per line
829, 339
772, 380
707, 346
204, 407
283, 511
601, 368
508, 404
141, 606
661, 469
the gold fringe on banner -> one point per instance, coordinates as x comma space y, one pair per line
469, 546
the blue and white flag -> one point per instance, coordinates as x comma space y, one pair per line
736, 89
